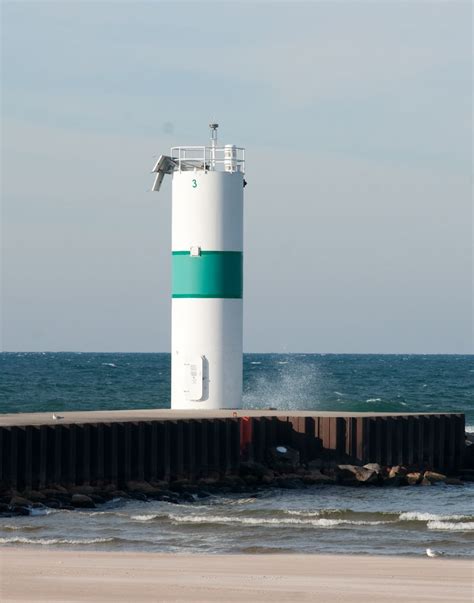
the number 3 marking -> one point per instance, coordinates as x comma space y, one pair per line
194, 185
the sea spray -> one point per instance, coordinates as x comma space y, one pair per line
287, 385
65, 381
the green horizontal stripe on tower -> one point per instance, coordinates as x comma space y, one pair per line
211, 274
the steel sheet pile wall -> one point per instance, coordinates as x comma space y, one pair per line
117, 452
434, 441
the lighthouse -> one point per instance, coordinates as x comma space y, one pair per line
207, 273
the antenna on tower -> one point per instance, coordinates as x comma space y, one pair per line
213, 128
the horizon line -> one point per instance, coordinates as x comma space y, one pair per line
259, 353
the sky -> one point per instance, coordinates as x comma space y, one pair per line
357, 123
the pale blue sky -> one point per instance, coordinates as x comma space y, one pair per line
357, 119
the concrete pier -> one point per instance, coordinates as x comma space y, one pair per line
115, 447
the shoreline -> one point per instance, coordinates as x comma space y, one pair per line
31, 573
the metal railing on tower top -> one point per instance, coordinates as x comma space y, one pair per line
228, 158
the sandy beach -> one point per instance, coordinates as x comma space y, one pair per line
38, 574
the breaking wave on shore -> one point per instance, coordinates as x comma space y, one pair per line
318, 519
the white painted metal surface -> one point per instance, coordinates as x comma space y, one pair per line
207, 227
211, 328
211, 214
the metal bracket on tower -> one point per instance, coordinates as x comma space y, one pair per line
164, 165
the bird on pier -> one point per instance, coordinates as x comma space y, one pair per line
432, 553
56, 417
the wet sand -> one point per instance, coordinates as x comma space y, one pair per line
40, 574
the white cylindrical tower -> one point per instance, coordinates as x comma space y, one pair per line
207, 275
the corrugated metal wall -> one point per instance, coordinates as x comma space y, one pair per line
35, 456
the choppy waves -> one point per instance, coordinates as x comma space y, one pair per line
313, 520
54, 541
462, 526
272, 521
16, 528
325, 518
415, 516
366, 521
251, 521
51, 382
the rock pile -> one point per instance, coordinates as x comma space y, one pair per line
283, 469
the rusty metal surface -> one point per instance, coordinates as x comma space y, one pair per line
39, 454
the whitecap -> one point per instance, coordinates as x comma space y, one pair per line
316, 513
255, 363
416, 516
254, 521
13, 528
48, 541
104, 514
39, 511
302, 513
148, 517
109, 364
239, 501
374, 400
450, 526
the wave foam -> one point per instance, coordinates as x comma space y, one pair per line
239, 501
46, 541
415, 516
254, 521
149, 517
450, 526
104, 514
12, 528
304, 513
38, 512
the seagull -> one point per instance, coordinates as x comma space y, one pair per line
432, 553
56, 417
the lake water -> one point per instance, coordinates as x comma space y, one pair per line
325, 519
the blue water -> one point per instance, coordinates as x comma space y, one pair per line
324, 519
33, 382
